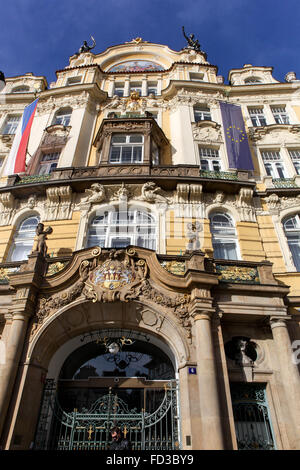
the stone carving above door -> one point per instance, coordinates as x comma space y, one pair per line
111, 275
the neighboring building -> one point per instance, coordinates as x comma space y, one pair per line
173, 276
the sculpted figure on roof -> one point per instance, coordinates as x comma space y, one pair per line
85, 47
192, 43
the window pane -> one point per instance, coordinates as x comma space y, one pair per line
126, 154
137, 154
135, 138
119, 138
115, 154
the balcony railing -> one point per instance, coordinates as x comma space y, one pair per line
284, 183
222, 175
33, 179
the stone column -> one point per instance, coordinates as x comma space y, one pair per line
289, 372
210, 410
8, 371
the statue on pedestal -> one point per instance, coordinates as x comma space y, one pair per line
192, 43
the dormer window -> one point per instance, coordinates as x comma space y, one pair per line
20, 89
197, 77
252, 81
74, 80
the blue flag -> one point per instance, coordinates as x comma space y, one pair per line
237, 144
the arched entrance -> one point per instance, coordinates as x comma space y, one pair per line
117, 376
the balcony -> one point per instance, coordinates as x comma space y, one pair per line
284, 183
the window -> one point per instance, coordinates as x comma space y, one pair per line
63, 116
280, 115
74, 80
118, 229
119, 89
48, 163
23, 239
209, 159
295, 156
202, 114
252, 80
136, 87
251, 416
223, 236
273, 164
126, 148
291, 227
11, 124
152, 88
20, 89
197, 77
257, 117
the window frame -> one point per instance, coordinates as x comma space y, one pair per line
257, 116
201, 113
228, 236
113, 230
66, 116
211, 159
126, 145
6, 123
281, 116
294, 232
274, 164
48, 164
23, 241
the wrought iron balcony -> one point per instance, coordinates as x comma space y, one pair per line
33, 179
223, 175
284, 183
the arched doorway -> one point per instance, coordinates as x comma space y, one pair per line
116, 376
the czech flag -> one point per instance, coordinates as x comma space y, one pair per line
17, 156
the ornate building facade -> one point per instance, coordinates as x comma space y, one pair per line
166, 297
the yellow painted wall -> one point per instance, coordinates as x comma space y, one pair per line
6, 236
292, 280
63, 239
270, 243
250, 242
176, 242
297, 111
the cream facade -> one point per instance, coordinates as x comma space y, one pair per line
182, 271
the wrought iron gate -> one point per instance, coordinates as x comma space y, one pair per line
90, 429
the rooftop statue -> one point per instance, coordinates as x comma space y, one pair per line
192, 43
85, 47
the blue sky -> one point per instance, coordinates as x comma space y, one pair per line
39, 35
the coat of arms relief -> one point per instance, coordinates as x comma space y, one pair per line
115, 275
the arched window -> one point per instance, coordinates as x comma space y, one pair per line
223, 236
20, 89
118, 229
291, 227
252, 80
23, 239
63, 116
